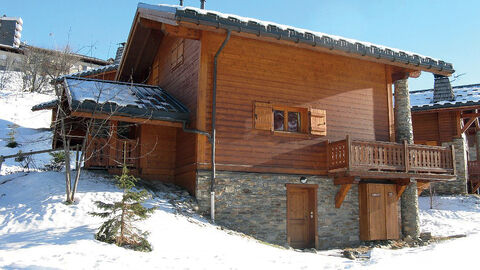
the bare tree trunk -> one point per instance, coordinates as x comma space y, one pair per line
78, 166
66, 148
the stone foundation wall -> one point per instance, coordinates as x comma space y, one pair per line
256, 204
458, 186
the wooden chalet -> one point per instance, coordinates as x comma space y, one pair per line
447, 115
285, 134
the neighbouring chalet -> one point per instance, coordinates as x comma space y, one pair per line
308, 149
447, 115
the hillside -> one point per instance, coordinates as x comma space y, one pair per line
38, 231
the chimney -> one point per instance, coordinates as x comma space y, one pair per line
181, 3
442, 89
202, 4
119, 54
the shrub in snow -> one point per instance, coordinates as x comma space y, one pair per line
57, 162
119, 228
12, 143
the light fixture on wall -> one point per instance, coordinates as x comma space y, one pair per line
303, 180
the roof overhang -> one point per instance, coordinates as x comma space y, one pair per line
207, 20
92, 97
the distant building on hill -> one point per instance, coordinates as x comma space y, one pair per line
12, 50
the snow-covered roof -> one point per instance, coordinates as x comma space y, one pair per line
172, 14
46, 105
89, 72
125, 99
465, 95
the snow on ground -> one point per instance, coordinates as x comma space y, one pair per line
38, 231
31, 130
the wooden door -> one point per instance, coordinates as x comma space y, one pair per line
376, 203
301, 216
378, 212
391, 212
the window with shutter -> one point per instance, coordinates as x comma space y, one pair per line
318, 122
263, 116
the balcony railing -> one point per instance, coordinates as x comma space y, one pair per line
127, 151
415, 160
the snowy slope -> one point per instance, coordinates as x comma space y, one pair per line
31, 133
38, 231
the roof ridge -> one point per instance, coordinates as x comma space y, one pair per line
173, 14
457, 86
112, 82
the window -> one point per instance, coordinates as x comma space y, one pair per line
177, 54
279, 118
126, 130
287, 119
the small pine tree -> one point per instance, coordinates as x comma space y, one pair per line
12, 143
119, 228
57, 161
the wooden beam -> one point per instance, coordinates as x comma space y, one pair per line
469, 115
421, 186
181, 31
127, 119
346, 180
468, 124
400, 190
341, 194
400, 76
415, 74
150, 24
475, 187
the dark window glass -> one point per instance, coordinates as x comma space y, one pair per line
293, 121
278, 120
126, 130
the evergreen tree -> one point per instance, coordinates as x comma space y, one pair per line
119, 228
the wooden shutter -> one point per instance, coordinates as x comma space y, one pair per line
318, 122
263, 116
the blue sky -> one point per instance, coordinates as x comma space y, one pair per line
448, 30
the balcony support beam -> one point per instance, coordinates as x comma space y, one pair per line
421, 186
341, 194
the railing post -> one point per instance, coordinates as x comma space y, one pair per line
348, 157
406, 159
1, 162
453, 160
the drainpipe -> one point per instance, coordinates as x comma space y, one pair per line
214, 120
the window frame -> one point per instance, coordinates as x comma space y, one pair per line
177, 54
303, 115
266, 111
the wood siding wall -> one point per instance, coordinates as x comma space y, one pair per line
437, 127
182, 83
157, 152
354, 94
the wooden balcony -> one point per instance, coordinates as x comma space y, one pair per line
390, 161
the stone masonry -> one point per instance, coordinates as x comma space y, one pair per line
458, 186
404, 131
256, 204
